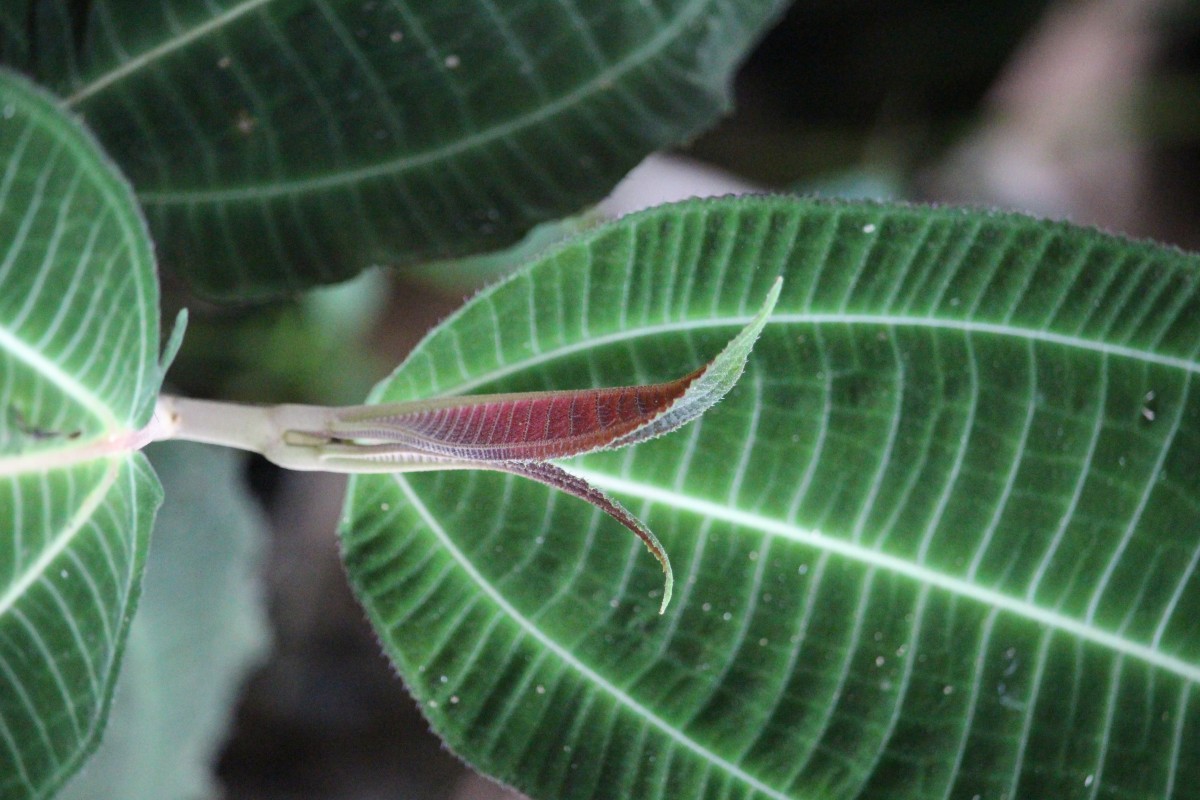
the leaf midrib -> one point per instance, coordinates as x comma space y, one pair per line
815, 538
800, 318
153, 54
570, 659
87, 509
601, 82
867, 556
70, 386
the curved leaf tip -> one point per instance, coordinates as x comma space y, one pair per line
521, 433
558, 478
712, 382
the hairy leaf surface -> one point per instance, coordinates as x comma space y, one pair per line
280, 143
78, 367
941, 540
197, 633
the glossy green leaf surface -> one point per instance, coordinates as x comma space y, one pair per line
78, 366
941, 540
201, 625
280, 143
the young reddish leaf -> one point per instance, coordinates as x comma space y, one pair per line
537, 426
514, 433
534, 426
518, 433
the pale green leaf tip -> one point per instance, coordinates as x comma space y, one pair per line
668, 587
749, 335
174, 341
768, 306
725, 370
727, 367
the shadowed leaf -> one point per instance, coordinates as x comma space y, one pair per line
275, 145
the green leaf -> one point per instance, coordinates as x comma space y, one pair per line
78, 376
942, 539
275, 145
197, 632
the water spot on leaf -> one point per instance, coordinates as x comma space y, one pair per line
245, 122
1149, 409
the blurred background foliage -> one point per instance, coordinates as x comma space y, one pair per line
1087, 110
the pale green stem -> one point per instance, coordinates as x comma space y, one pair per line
272, 431
298, 437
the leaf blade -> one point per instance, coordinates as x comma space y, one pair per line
193, 640
78, 335
942, 535
316, 139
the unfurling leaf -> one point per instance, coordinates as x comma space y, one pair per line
518, 433
535, 426
514, 433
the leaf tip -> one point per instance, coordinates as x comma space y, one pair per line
174, 341
768, 306
773, 294
668, 584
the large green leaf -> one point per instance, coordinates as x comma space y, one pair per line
278, 143
940, 542
201, 624
78, 371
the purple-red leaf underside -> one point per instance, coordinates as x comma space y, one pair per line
558, 478
535, 426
